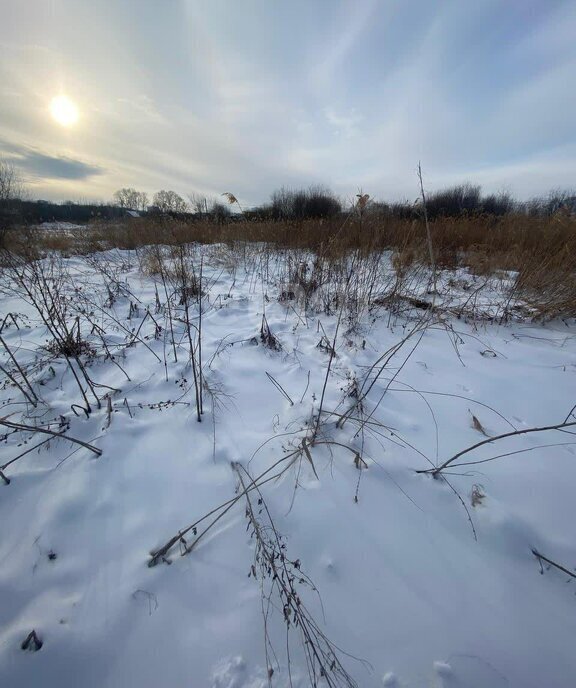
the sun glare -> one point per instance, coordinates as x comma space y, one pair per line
64, 111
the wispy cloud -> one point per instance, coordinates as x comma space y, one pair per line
251, 96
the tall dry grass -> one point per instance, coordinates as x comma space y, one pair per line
541, 251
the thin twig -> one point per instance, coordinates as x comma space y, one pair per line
32, 428
557, 426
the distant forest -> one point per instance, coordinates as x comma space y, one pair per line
285, 204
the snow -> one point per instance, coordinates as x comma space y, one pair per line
403, 584
66, 228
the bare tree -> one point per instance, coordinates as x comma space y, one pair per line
131, 199
170, 202
12, 191
142, 201
219, 212
316, 201
11, 185
199, 203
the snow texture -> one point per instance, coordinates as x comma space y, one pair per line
404, 585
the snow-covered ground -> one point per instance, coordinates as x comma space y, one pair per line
418, 581
65, 228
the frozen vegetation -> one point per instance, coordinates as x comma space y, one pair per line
347, 511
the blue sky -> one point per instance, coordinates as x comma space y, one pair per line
247, 96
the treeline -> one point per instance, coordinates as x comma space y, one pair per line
316, 202
287, 204
17, 211
468, 200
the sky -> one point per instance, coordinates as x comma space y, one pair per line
249, 96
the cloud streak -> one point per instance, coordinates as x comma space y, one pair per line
253, 96
39, 165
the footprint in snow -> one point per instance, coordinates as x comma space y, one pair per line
229, 673
468, 671
232, 672
329, 566
444, 675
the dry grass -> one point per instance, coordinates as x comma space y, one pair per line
541, 250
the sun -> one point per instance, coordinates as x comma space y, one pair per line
64, 110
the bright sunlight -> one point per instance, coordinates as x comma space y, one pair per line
64, 110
